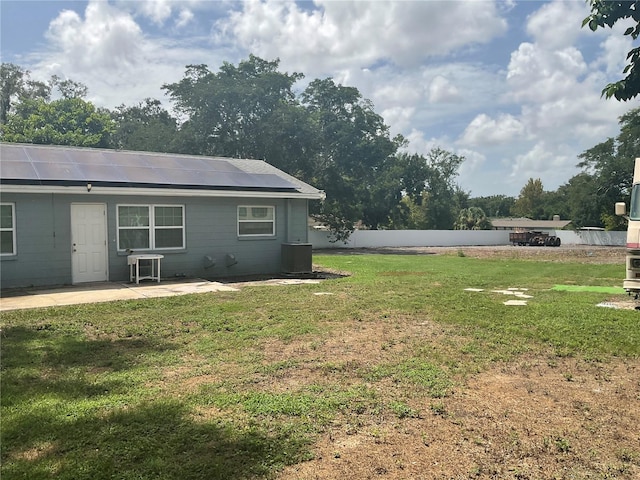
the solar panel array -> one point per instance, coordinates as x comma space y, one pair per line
31, 164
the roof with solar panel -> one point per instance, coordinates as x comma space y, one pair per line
54, 165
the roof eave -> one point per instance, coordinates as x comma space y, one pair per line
90, 189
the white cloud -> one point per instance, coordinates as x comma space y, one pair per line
106, 39
536, 75
484, 130
614, 54
395, 89
403, 96
531, 163
359, 34
473, 163
107, 50
398, 117
552, 164
442, 90
421, 145
557, 24
184, 18
471, 174
157, 10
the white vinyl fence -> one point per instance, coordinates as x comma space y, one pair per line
455, 238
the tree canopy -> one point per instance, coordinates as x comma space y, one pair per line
230, 112
146, 126
16, 86
28, 115
329, 136
472, 218
610, 166
606, 13
353, 156
530, 202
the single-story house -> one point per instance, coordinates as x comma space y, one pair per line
74, 215
523, 224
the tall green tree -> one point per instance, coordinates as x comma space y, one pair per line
443, 198
146, 126
28, 115
530, 202
16, 86
415, 215
495, 206
68, 88
554, 203
230, 112
289, 141
612, 161
432, 199
606, 13
414, 170
611, 164
328, 136
11, 81
581, 197
67, 121
354, 157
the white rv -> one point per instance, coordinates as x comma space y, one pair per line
632, 281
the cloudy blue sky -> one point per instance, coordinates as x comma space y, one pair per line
513, 86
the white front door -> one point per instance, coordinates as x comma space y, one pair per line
89, 242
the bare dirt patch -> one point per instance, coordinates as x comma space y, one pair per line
536, 417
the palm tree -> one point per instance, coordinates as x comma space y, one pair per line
472, 218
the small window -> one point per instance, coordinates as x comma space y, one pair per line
134, 227
169, 231
147, 227
254, 221
7, 229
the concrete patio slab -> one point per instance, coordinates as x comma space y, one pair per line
106, 292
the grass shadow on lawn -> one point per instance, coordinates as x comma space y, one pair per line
78, 409
151, 440
40, 362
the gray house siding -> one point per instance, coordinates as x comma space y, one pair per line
43, 253
298, 230
44, 245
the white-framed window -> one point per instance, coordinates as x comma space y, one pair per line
256, 220
149, 227
7, 229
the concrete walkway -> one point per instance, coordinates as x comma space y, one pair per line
110, 291
106, 292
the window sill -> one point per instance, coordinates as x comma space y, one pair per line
159, 251
245, 238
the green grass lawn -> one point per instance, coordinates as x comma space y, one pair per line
231, 385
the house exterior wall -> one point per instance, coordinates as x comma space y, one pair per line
298, 231
44, 250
